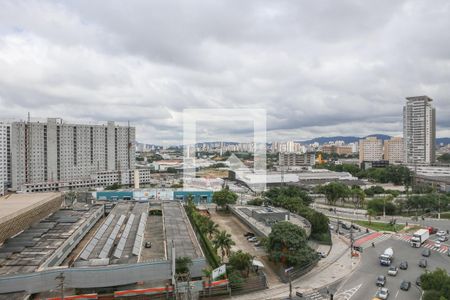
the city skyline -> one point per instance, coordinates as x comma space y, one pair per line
319, 69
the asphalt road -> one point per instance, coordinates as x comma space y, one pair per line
442, 224
357, 233
364, 278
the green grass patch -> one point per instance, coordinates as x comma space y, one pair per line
378, 226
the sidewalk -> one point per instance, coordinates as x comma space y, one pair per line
337, 265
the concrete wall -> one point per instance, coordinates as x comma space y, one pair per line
246, 222
23, 221
93, 277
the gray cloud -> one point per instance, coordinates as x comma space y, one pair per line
317, 67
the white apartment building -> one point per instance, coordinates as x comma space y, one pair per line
394, 150
4, 156
53, 152
419, 130
370, 149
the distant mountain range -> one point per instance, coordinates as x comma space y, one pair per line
321, 140
353, 139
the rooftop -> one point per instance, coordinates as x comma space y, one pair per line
15, 204
33, 247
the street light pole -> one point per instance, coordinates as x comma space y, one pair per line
384, 207
439, 207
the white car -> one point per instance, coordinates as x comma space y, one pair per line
441, 233
442, 238
393, 270
437, 245
383, 293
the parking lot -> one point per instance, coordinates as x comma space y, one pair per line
155, 235
237, 230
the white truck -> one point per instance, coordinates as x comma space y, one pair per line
419, 237
387, 257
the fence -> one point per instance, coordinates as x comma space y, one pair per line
297, 271
249, 284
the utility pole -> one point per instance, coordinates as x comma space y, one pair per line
61, 279
290, 285
351, 240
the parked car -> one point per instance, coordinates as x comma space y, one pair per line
148, 244
393, 270
321, 254
258, 243
441, 233
383, 293
404, 265
345, 226
252, 239
418, 281
249, 234
381, 280
405, 285
443, 238
426, 252
423, 263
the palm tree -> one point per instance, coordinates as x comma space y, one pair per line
182, 264
223, 241
211, 228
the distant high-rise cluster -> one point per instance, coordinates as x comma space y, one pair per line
45, 156
419, 130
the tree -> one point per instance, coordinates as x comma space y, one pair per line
211, 228
334, 191
171, 170
296, 200
182, 264
224, 197
379, 205
241, 261
374, 190
371, 213
287, 244
358, 196
223, 241
436, 284
445, 158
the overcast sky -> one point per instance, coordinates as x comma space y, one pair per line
319, 68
